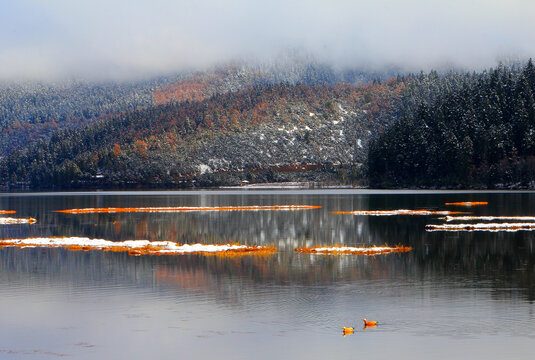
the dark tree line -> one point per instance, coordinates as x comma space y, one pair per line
478, 134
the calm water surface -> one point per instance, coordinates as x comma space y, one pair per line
456, 295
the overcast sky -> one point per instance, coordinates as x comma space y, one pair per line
122, 38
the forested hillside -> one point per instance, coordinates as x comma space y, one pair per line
250, 134
239, 123
30, 111
478, 134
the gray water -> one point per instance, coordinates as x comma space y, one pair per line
462, 295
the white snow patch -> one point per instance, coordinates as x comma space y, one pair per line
164, 246
342, 109
203, 168
359, 143
488, 218
492, 227
10, 221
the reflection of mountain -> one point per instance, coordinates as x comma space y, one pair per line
499, 263
503, 261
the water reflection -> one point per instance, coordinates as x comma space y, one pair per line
484, 280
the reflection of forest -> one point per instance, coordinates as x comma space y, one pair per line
506, 263
503, 261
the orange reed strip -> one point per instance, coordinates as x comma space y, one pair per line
185, 209
397, 212
492, 227
468, 203
11, 221
341, 250
149, 249
7, 211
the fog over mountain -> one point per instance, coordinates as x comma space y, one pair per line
117, 39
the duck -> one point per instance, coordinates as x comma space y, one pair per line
369, 323
348, 330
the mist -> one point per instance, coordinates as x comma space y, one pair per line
116, 39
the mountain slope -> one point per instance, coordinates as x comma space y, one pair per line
265, 128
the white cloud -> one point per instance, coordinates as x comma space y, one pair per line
113, 38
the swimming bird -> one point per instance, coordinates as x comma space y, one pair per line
369, 323
347, 330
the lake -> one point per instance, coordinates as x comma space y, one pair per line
455, 295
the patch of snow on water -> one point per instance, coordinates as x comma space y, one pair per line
11, 221
159, 246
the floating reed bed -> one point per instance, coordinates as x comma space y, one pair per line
397, 212
138, 247
11, 221
488, 218
468, 203
187, 209
493, 227
7, 211
343, 250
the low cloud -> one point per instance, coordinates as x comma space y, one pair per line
113, 39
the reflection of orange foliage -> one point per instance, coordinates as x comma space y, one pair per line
468, 203
117, 227
142, 228
188, 208
185, 278
335, 250
7, 211
396, 212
